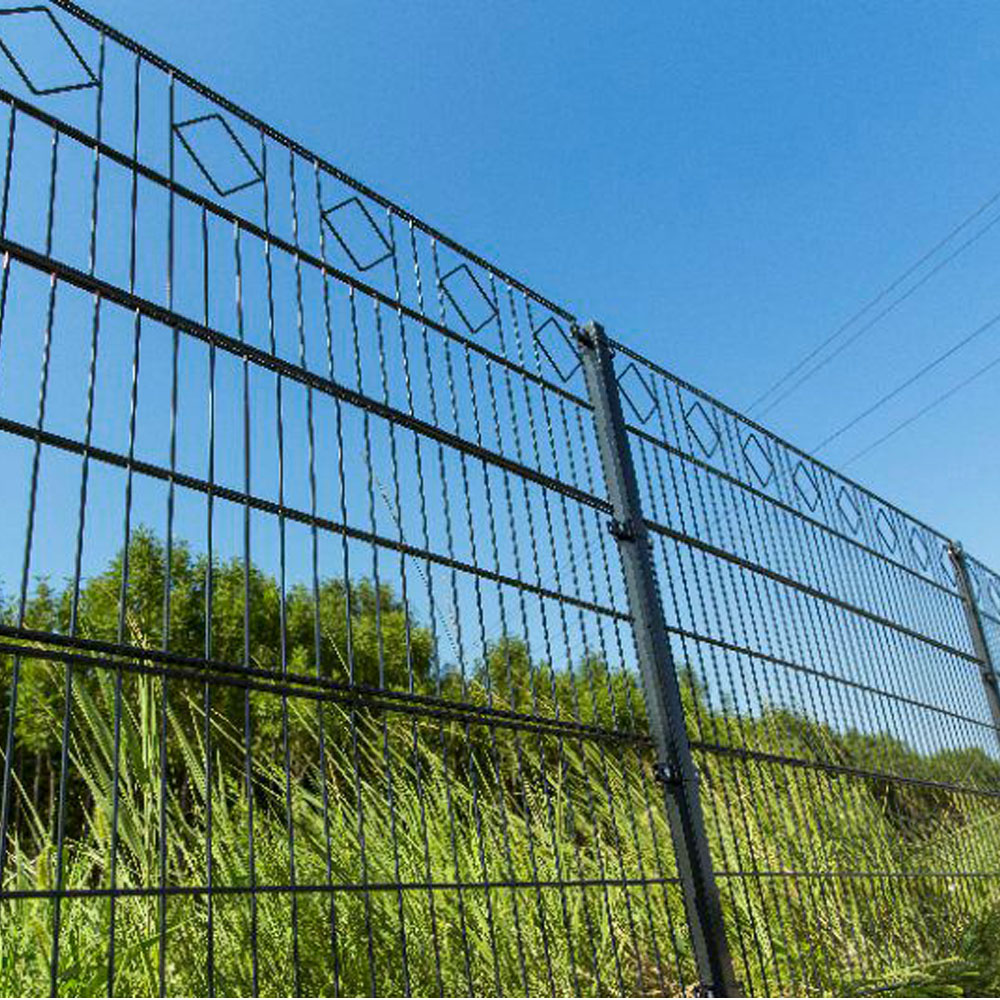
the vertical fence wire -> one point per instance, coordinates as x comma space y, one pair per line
837, 713
318, 655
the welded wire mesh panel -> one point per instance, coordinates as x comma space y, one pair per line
986, 594
317, 669
850, 769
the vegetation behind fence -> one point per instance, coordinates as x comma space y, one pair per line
367, 626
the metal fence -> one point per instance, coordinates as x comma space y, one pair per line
370, 627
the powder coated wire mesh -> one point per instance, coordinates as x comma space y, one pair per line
841, 727
319, 668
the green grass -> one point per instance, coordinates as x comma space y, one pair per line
378, 798
432, 829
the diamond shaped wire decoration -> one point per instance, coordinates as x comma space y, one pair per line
241, 162
805, 485
354, 218
849, 510
466, 295
637, 392
886, 530
758, 459
919, 548
945, 566
974, 581
701, 427
69, 52
994, 592
557, 348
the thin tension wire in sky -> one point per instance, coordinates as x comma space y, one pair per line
938, 401
792, 372
913, 379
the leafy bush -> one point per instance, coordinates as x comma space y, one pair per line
532, 861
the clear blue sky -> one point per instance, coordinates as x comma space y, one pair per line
721, 184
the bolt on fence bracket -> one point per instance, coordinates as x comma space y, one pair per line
980, 647
666, 774
675, 768
621, 530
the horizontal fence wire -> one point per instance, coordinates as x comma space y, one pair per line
319, 670
850, 765
986, 592
319, 674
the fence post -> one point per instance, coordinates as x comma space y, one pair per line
674, 768
987, 668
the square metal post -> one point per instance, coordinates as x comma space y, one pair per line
675, 768
987, 667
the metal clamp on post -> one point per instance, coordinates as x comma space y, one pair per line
582, 336
622, 531
666, 774
674, 769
